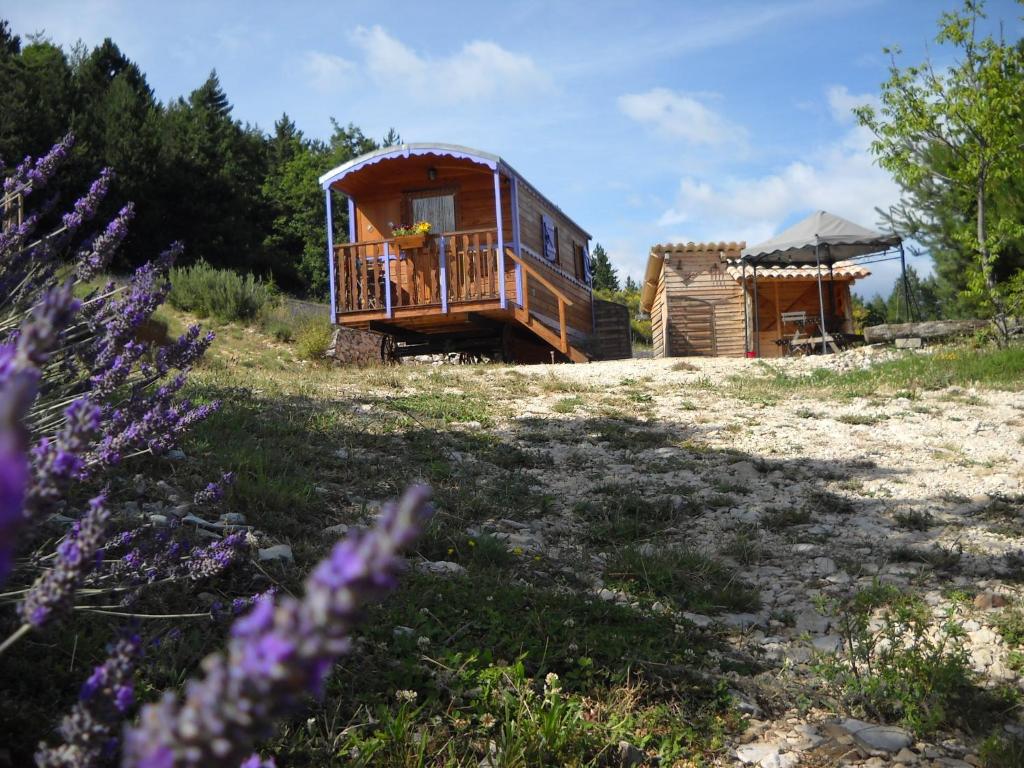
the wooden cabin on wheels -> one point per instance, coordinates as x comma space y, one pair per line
502, 273
702, 302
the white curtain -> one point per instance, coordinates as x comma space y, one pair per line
439, 210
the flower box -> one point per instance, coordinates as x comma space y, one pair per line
405, 242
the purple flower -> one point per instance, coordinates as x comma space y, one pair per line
93, 258
214, 492
277, 654
53, 593
89, 730
13, 477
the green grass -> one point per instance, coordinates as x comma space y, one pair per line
688, 579
991, 368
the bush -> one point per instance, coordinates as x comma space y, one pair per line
278, 322
896, 666
312, 337
219, 293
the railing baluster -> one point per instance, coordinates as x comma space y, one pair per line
352, 278
492, 286
479, 266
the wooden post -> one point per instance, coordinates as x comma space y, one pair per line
442, 256
331, 254
526, 293
501, 240
562, 332
387, 280
517, 243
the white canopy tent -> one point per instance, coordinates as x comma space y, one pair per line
821, 239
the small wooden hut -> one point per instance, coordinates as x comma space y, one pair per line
701, 301
503, 272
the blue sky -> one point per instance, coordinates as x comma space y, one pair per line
647, 122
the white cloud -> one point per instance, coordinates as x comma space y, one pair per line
327, 71
839, 177
841, 102
479, 70
680, 116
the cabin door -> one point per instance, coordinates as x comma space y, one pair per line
439, 210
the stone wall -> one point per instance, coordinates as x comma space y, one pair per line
353, 347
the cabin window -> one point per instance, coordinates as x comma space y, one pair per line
439, 210
549, 237
579, 262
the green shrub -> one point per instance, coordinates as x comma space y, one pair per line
896, 666
278, 322
219, 293
312, 337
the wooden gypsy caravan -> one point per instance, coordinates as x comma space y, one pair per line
502, 273
701, 300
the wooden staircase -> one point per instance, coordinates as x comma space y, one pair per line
557, 338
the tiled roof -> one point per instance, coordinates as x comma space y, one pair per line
671, 248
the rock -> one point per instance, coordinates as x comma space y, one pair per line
279, 553
158, 520
232, 518
699, 619
401, 631
825, 566
176, 454
440, 568
910, 343
877, 738
606, 594
905, 756
988, 600
741, 620
630, 756
336, 531
827, 643
756, 753
181, 510
341, 453
744, 705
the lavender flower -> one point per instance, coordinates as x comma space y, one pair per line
59, 460
277, 654
38, 337
85, 207
13, 479
216, 557
31, 176
89, 732
92, 259
53, 592
214, 492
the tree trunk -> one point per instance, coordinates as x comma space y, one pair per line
988, 269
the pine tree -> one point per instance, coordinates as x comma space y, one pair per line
604, 274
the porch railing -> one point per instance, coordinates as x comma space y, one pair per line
449, 268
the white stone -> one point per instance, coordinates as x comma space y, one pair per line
441, 568
882, 738
281, 553
755, 753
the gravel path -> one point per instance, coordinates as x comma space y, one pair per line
921, 493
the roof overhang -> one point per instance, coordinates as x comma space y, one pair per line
456, 151
652, 274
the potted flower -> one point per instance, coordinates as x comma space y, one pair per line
411, 237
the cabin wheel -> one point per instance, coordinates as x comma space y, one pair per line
389, 350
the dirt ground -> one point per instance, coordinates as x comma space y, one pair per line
811, 498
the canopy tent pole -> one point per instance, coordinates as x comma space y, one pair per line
821, 298
746, 332
757, 322
831, 292
906, 283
